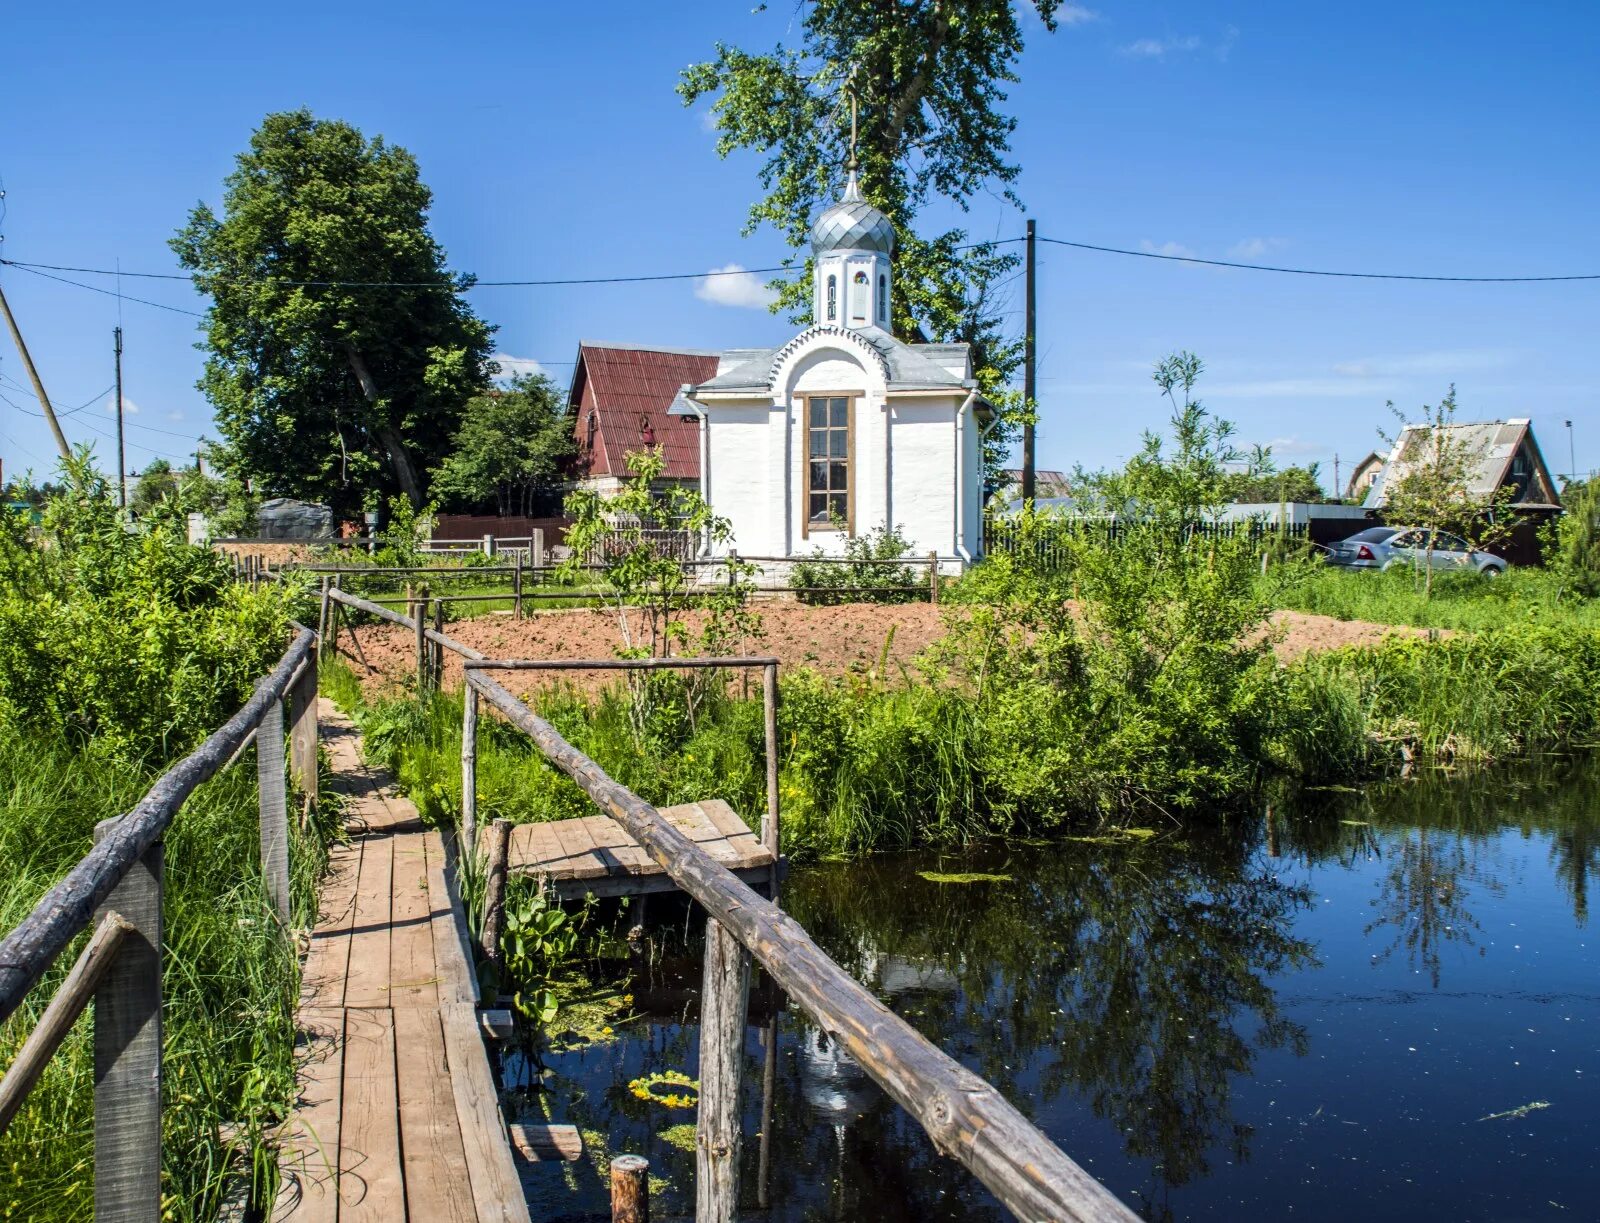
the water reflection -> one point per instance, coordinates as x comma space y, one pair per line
1134, 977
1221, 1023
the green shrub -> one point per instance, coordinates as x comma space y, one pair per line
860, 575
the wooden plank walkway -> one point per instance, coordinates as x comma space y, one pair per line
398, 1118
594, 854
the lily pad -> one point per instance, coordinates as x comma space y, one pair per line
968, 877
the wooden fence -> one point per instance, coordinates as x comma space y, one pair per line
117, 886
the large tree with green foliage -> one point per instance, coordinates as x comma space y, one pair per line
341, 351
510, 447
928, 76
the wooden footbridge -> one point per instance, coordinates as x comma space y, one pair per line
398, 1117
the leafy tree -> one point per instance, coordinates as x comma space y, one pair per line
510, 447
323, 388
1431, 481
929, 78
156, 483
1571, 543
1263, 482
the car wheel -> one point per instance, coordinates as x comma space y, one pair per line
1492, 571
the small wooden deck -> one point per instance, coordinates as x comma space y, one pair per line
594, 854
398, 1117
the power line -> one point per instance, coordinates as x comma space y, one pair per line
1263, 267
41, 268
78, 284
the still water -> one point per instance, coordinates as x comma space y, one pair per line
1382, 1005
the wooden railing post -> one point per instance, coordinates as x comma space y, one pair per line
127, 1051
723, 1002
770, 839
274, 807
516, 588
303, 733
494, 890
933, 578
469, 770
419, 618
322, 612
438, 650
630, 1189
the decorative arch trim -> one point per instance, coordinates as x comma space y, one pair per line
807, 339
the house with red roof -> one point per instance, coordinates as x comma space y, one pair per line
620, 399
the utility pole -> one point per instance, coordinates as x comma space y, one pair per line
1338, 489
33, 374
1572, 456
122, 475
1030, 348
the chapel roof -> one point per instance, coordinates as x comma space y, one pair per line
910, 366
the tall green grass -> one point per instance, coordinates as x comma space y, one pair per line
1460, 600
229, 989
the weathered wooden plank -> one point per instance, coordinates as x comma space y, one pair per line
367, 983
723, 1004
617, 851
308, 1190
495, 1187
645, 884
497, 1024
579, 860
413, 976
327, 963
430, 1135
127, 1049
965, 1116
546, 1143
458, 979
370, 1182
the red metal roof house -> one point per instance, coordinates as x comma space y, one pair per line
619, 400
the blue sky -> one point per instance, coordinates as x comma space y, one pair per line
1430, 137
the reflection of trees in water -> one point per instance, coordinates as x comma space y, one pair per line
1135, 978
1441, 839
1424, 892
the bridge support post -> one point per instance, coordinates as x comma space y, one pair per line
273, 802
469, 772
303, 733
723, 1003
494, 889
127, 1051
630, 1189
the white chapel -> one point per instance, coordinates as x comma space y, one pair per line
844, 428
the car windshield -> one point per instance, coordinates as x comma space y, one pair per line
1372, 535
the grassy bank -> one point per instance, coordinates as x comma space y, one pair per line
119, 652
1460, 600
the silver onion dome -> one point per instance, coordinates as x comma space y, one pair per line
852, 224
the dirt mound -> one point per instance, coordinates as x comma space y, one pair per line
830, 639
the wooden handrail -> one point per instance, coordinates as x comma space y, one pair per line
59, 1016
964, 1115
33, 945
393, 617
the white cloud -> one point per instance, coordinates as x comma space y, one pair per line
1290, 388
129, 408
174, 415
1075, 14
1442, 363
511, 366
708, 119
1294, 447
1224, 48
1174, 250
1160, 48
1256, 248
731, 285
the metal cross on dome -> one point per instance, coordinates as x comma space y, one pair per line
851, 163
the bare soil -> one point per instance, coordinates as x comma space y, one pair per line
832, 640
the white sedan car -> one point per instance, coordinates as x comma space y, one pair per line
1386, 547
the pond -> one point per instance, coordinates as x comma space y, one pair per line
1374, 1005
